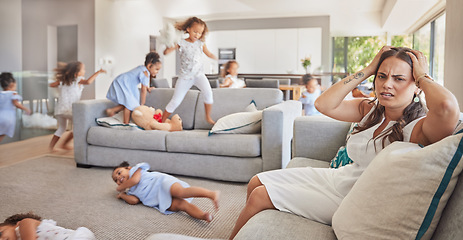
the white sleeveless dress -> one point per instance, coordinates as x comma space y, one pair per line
315, 193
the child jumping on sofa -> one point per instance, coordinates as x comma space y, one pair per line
230, 75
191, 70
124, 89
31, 226
69, 80
159, 190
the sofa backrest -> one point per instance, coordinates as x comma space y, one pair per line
160, 97
233, 100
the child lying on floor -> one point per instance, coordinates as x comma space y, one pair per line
30, 226
161, 191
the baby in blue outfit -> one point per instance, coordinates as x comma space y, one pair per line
310, 95
159, 190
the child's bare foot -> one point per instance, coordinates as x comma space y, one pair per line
110, 112
210, 121
208, 217
216, 199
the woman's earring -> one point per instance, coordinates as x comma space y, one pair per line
416, 99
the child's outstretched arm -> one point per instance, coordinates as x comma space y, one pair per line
134, 180
91, 78
54, 84
28, 228
130, 199
17, 104
170, 49
208, 53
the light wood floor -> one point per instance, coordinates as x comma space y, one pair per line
19, 151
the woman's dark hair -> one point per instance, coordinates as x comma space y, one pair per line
6, 78
182, 26
227, 66
152, 57
13, 220
66, 73
413, 111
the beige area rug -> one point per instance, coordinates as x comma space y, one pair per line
54, 188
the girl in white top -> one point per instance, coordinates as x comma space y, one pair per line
395, 114
230, 75
69, 81
191, 69
30, 226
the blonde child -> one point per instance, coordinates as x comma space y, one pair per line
161, 191
9, 101
309, 96
30, 226
191, 70
69, 81
124, 89
230, 75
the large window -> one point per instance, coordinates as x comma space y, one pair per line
351, 54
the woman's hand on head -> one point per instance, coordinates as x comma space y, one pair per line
420, 64
371, 68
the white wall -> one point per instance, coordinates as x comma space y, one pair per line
454, 49
10, 40
122, 30
271, 51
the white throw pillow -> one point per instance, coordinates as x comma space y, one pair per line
402, 193
116, 121
241, 122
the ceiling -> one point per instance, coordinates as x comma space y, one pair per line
347, 17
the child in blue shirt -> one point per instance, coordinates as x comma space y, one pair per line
159, 190
310, 95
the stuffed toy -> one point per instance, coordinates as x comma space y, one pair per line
149, 119
170, 35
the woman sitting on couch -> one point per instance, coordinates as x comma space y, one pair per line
395, 114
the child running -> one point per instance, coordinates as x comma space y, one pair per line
9, 101
191, 66
161, 191
69, 81
31, 226
124, 89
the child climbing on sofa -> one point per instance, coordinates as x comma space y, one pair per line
159, 190
124, 89
30, 226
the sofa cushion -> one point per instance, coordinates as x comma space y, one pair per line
240, 122
402, 193
160, 97
233, 100
116, 138
273, 224
198, 141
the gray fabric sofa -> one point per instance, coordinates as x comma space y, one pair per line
191, 152
315, 142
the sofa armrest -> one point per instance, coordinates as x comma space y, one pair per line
318, 137
277, 132
84, 114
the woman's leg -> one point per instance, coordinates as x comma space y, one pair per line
253, 183
112, 111
178, 191
204, 86
258, 201
180, 204
181, 88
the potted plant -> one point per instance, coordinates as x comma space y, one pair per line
306, 62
